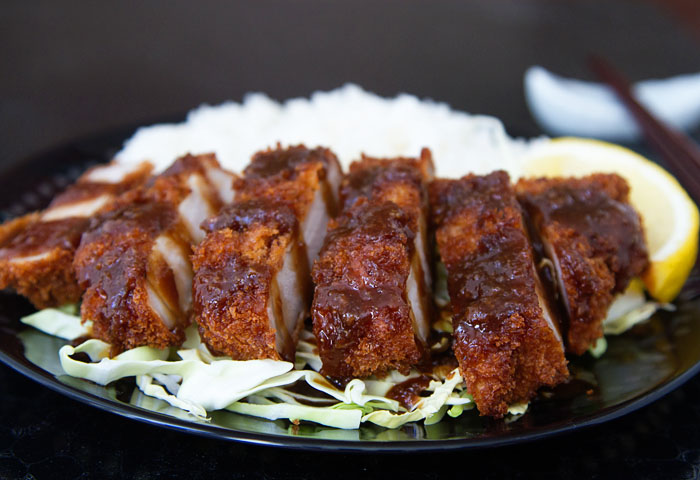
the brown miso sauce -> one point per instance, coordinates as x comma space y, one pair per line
407, 393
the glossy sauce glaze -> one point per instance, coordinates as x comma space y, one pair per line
234, 284
45, 236
360, 313
597, 208
408, 392
291, 175
505, 347
113, 263
283, 161
274, 228
135, 261
594, 241
36, 250
385, 180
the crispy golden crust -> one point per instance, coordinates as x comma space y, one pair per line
118, 262
235, 267
48, 280
112, 264
504, 346
290, 176
588, 283
613, 185
36, 255
404, 182
237, 264
85, 189
360, 314
401, 180
589, 229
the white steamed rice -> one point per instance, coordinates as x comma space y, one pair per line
348, 120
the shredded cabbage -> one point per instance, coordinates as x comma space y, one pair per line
518, 408
338, 418
62, 322
193, 382
426, 407
628, 309
598, 348
211, 386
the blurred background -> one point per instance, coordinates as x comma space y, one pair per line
72, 68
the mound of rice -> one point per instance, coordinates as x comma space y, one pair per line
348, 120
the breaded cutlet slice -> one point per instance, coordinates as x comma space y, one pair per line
284, 200
506, 336
362, 315
251, 283
135, 260
304, 179
593, 237
402, 180
36, 250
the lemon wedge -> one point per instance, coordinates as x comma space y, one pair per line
669, 216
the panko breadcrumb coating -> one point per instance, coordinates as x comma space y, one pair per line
37, 250
235, 292
134, 263
252, 281
372, 305
505, 335
361, 316
595, 240
304, 179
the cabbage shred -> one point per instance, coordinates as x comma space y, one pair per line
194, 381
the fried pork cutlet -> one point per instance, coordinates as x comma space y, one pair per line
251, 234
594, 239
251, 285
305, 179
134, 262
371, 309
506, 337
402, 181
36, 250
362, 315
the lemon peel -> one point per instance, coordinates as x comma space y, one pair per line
670, 218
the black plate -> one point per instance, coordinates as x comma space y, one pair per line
638, 368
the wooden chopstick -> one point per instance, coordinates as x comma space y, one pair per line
680, 152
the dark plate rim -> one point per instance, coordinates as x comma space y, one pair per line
19, 363
24, 367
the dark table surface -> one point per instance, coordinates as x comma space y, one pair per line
73, 68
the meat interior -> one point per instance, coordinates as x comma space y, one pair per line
134, 263
292, 286
362, 316
505, 337
322, 209
306, 180
372, 307
594, 240
36, 251
175, 255
418, 301
250, 281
